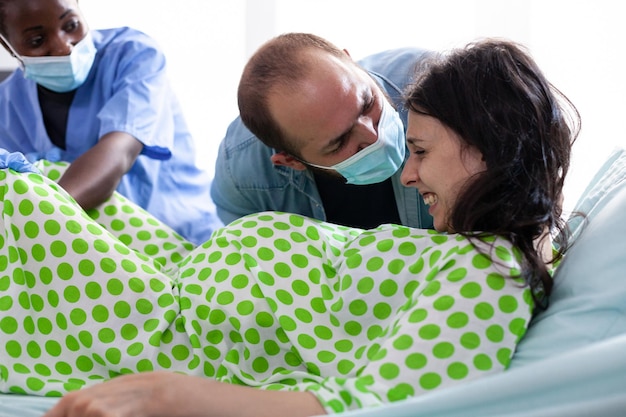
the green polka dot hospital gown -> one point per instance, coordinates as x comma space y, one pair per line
276, 301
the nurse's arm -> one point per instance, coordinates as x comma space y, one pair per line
93, 177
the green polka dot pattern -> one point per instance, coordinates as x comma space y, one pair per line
129, 223
274, 300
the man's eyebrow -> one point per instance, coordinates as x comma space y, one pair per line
367, 98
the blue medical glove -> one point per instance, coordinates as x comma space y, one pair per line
53, 154
16, 161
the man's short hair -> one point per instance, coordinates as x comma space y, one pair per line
279, 63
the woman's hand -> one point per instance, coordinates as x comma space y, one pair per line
168, 394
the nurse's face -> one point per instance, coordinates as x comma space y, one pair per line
333, 114
438, 166
44, 27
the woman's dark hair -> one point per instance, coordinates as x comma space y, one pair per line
495, 97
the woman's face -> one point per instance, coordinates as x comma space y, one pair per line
44, 27
437, 166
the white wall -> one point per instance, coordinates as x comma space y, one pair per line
204, 42
578, 43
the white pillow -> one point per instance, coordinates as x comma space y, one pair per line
588, 302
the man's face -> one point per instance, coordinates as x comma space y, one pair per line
333, 113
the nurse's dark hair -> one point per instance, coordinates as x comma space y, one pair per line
3, 17
3, 3
495, 97
282, 62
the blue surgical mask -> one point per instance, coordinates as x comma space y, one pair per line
381, 159
62, 73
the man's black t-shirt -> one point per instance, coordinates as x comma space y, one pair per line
364, 206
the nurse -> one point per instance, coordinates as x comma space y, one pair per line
100, 99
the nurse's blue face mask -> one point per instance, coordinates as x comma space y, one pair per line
61, 73
381, 159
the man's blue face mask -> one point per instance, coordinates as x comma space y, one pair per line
62, 73
381, 159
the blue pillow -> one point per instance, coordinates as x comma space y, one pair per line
588, 302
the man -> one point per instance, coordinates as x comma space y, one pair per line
320, 136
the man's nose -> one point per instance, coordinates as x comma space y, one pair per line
368, 132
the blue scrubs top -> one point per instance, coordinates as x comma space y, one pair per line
127, 90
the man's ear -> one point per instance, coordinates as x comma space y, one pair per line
284, 159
